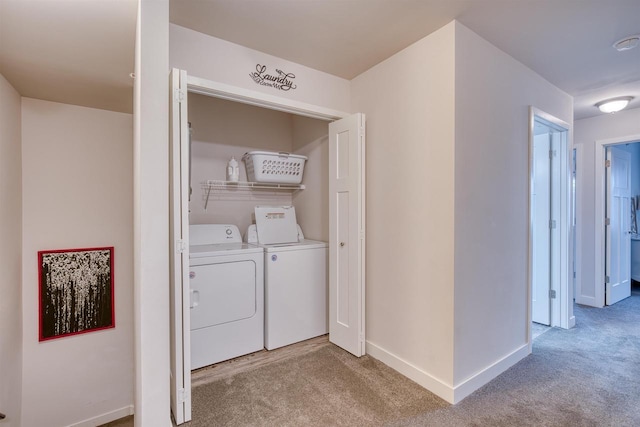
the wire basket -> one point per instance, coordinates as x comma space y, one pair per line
281, 168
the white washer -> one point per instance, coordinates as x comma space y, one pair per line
296, 290
227, 294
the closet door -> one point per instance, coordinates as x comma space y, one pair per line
347, 233
541, 236
179, 253
618, 234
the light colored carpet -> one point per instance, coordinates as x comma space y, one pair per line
326, 387
586, 376
537, 329
122, 422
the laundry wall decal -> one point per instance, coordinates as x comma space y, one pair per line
281, 81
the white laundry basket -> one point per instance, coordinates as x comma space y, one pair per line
276, 168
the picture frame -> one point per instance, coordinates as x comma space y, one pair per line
76, 292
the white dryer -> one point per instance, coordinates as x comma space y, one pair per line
227, 294
296, 289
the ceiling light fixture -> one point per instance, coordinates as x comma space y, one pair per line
614, 105
627, 43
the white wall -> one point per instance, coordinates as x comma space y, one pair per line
221, 61
409, 104
77, 193
11, 254
586, 133
449, 142
311, 139
493, 94
151, 214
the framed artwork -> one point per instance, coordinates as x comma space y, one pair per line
76, 291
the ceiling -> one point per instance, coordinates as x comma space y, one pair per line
77, 52
81, 51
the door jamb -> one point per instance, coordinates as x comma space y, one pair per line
577, 226
600, 214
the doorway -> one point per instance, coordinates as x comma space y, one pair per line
551, 227
617, 184
345, 212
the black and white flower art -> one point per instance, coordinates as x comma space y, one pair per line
76, 291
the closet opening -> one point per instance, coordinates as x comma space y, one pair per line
240, 234
617, 198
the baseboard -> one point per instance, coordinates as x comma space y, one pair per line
434, 385
481, 378
105, 418
438, 387
572, 322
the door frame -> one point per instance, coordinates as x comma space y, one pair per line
600, 213
562, 310
245, 96
577, 222
220, 90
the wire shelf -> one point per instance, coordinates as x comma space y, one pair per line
230, 186
244, 185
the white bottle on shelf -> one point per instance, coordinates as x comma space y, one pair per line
233, 171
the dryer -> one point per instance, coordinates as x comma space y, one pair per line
226, 279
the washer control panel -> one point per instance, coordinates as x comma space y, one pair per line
213, 234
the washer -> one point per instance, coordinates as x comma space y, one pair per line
227, 294
296, 291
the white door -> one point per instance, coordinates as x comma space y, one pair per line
618, 238
347, 233
541, 210
179, 254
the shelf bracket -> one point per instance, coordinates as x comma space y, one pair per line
206, 202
